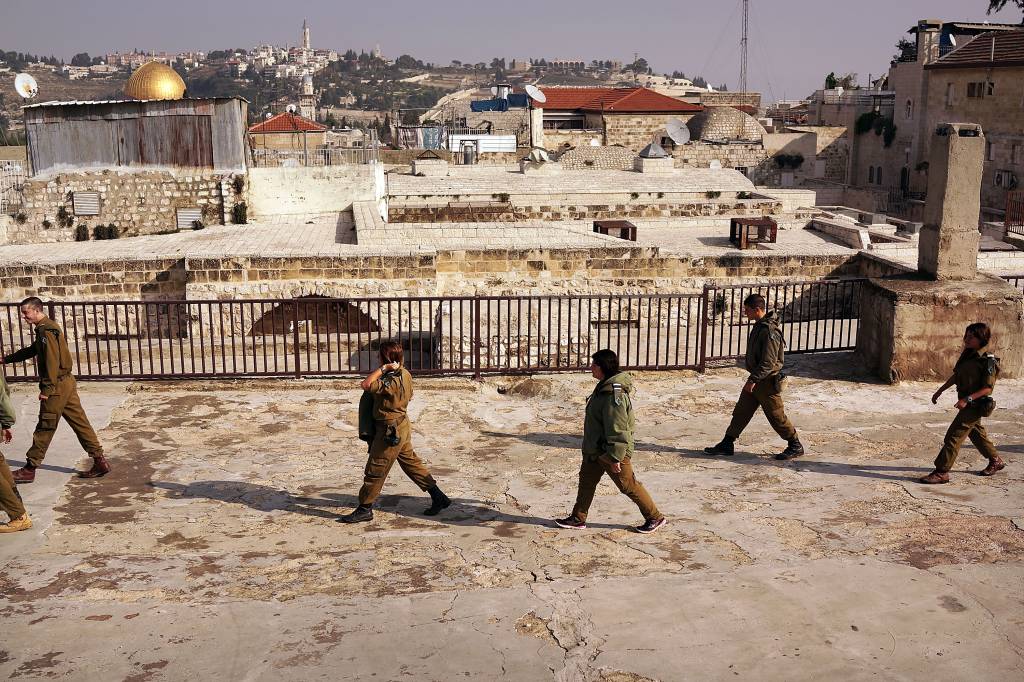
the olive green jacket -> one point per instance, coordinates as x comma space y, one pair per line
53, 357
975, 371
765, 348
609, 423
6, 407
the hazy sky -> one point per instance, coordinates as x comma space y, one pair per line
794, 43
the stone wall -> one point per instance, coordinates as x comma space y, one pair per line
700, 155
556, 140
601, 158
482, 271
138, 203
633, 131
308, 190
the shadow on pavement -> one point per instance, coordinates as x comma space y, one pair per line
463, 512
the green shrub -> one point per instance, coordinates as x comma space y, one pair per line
198, 225
64, 218
865, 122
20, 218
82, 233
99, 232
47, 224
238, 184
634, 195
712, 194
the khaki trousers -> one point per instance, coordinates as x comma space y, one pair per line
10, 498
768, 396
966, 424
383, 456
591, 471
64, 402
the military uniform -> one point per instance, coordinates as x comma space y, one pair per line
57, 383
10, 499
973, 372
392, 437
608, 438
764, 361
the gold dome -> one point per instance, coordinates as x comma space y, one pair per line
154, 81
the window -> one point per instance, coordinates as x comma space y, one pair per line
871, 175
1005, 179
1016, 155
949, 94
909, 111
878, 175
981, 89
990, 89
990, 151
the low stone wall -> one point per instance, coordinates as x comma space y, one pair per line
600, 158
137, 203
701, 154
481, 271
307, 190
557, 140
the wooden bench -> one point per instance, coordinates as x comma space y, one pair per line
745, 232
626, 230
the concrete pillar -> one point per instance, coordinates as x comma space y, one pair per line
948, 247
537, 128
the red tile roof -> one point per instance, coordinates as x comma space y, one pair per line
615, 101
995, 48
287, 123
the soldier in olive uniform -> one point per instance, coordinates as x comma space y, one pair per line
608, 427
391, 390
10, 499
975, 376
58, 394
763, 389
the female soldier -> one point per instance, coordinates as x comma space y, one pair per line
608, 445
391, 389
975, 376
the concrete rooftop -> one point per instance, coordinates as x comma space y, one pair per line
212, 552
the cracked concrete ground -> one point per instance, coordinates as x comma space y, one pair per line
212, 550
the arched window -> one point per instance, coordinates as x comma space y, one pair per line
910, 109
878, 175
871, 175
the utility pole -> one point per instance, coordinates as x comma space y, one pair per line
743, 45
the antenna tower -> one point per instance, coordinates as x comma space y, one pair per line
743, 45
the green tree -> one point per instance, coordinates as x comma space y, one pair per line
81, 59
996, 5
830, 81
639, 66
904, 50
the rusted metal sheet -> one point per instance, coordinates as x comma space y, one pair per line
176, 133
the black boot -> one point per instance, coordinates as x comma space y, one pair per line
794, 449
725, 448
358, 515
438, 501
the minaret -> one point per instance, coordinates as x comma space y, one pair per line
305, 35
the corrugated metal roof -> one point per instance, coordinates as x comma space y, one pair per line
57, 103
614, 100
996, 48
287, 122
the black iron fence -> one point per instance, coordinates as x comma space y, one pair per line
1016, 280
309, 337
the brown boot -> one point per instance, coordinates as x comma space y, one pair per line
935, 477
25, 474
994, 465
99, 468
15, 525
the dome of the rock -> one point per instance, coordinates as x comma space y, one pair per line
154, 81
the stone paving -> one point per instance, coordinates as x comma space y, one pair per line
212, 552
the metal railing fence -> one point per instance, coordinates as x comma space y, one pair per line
314, 337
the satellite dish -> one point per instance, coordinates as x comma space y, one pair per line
494, 90
952, 41
535, 94
269, 116
290, 108
594, 142
715, 164
26, 86
677, 131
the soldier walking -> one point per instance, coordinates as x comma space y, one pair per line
608, 426
10, 498
764, 361
975, 377
390, 387
58, 394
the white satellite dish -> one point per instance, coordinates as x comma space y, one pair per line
290, 108
494, 90
535, 94
952, 41
26, 86
677, 131
269, 116
715, 164
594, 142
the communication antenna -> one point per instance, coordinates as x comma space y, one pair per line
535, 94
743, 45
26, 86
677, 131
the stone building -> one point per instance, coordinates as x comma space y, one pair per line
630, 117
288, 132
